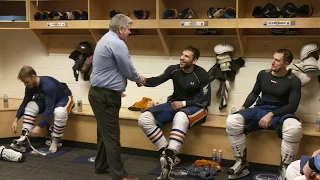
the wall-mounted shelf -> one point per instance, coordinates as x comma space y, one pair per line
63, 32
260, 22
260, 38
62, 40
212, 23
155, 35
62, 24
14, 18
137, 24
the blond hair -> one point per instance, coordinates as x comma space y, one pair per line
25, 72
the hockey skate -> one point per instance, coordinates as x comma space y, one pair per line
240, 168
286, 160
11, 155
48, 142
282, 173
49, 137
166, 166
284, 165
176, 161
20, 144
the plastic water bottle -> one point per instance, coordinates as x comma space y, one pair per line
233, 109
318, 122
5, 101
219, 157
214, 154
79, 104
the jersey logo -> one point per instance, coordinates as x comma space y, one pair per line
192, 83
274, 81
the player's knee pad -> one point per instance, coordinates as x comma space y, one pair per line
31, 109
180, 120
234, 124
146, 121
60, 114
60, 121
292, 130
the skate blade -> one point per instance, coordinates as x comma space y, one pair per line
243, 173
165, 175
160, 177
281, 178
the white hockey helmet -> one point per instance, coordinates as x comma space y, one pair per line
307, 49
222, 48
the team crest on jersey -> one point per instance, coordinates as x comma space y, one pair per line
265, 176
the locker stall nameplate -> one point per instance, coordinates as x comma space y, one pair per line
279, 23
194, 23
57, 24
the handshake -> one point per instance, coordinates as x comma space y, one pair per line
142, 82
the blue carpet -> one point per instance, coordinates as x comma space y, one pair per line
89, 158
258, 175
254, 174
60, 151
175, 171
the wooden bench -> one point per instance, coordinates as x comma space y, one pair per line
263, 146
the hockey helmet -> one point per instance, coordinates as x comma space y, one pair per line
82, 48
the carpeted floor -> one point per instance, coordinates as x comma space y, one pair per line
77, 164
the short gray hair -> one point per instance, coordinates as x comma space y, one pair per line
119, 20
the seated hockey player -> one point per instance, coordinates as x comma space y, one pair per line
186, 108
280, 98
43, 95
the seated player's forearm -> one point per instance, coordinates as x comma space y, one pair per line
250, 100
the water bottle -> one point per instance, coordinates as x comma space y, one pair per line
233, 109
5, 101
79, 104
159, 102
219, 158
318, 122
213, 157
